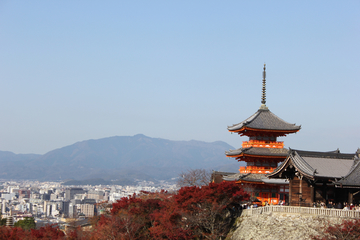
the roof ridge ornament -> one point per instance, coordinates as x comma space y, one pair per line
263, 97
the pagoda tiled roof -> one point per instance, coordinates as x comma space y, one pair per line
253, 177
313, 165
258, 151
264, 119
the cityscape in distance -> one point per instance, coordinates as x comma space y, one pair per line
75, 180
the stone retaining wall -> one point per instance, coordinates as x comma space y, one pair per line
281, 226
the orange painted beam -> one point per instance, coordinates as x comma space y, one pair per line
262, 144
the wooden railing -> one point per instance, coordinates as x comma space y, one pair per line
330, 212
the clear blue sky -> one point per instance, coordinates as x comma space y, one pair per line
179, 70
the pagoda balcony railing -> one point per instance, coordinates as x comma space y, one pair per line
330, 212
264, 144
255, 169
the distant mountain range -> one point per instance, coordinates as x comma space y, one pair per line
120, 157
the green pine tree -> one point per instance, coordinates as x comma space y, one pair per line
26, 224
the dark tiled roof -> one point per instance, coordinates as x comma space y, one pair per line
330, 154
353, 177
222, 173
254, 177
318, 164
259, 151
232, 177
264, 119
275, 181
300, 163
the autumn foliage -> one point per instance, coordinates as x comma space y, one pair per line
17, 233
194, 212
347, 230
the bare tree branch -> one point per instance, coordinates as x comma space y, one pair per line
194, 177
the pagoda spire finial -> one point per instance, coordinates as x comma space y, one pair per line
263, 97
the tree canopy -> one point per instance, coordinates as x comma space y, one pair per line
194, 212
26, 224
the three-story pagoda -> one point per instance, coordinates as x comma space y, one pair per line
262, 152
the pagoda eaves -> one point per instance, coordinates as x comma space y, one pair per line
262, 152
265, 123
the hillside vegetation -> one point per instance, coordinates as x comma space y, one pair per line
125, 157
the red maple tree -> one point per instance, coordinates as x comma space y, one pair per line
17, 233
347, 230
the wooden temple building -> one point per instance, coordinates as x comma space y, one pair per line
262, 153
320, 176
